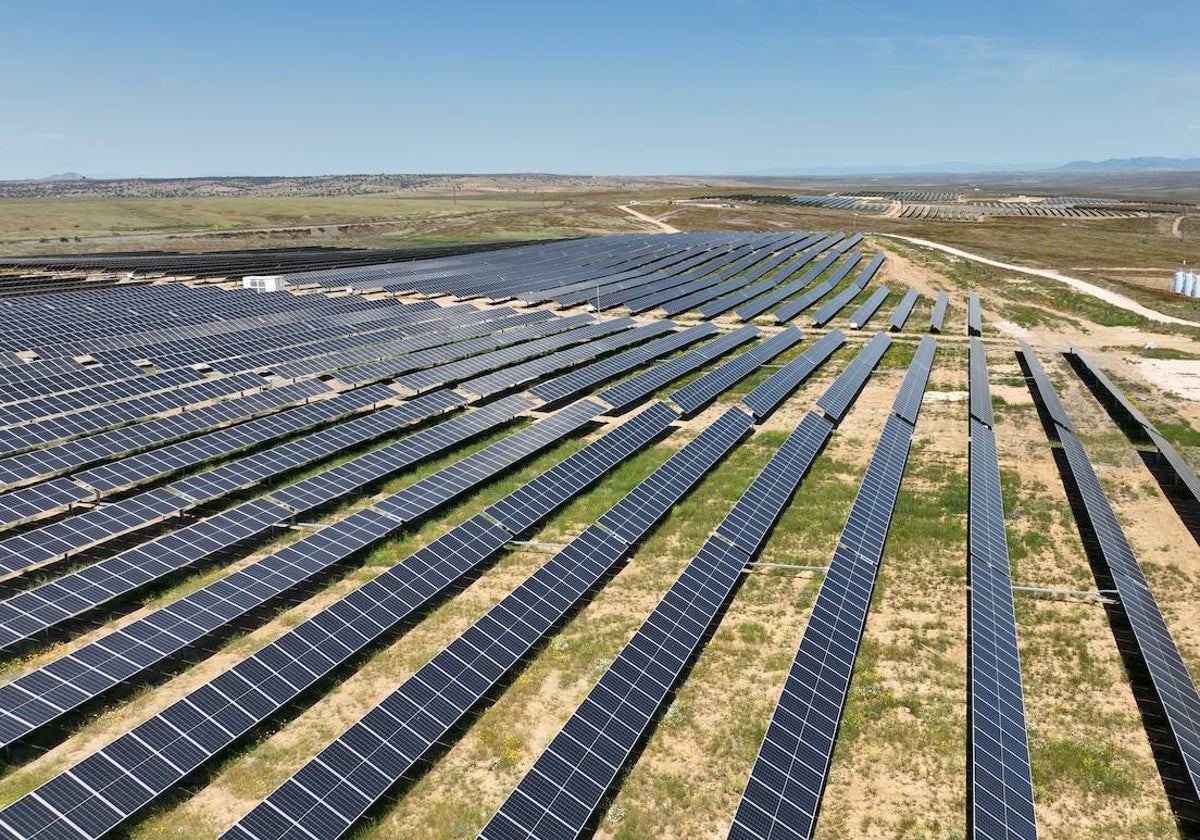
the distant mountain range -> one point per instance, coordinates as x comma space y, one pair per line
65, 176
1135, 164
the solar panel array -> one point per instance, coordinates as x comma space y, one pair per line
566, 784
625, 394
839, 301
783, 794
211, 418
1168, 675
700, 391
1129, 414
1000, 800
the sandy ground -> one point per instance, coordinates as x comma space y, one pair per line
1092, 289
650, 220
1179, 376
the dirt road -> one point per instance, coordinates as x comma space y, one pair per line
662, 226
1118, 300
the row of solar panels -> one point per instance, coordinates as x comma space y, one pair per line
196, 722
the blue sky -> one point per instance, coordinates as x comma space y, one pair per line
707, 86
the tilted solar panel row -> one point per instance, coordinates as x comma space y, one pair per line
938, 316
783, 793
16, 470
360, 353
41, 407
762, 252
793, 308
1176, 692
567, 782
702, 266
393, 737
839, 301
133, 470
974, 314
837, 399
35, 610
699, 392
31, 548
422, 361
93, 420
859, 317
521, 374
258, 686
574, 382
701, 296
904, 309
126, 652
741, 295
756, 307
1000, 801
766, 397
1128, 415
625, 394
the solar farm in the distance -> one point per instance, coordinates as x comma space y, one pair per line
158, 432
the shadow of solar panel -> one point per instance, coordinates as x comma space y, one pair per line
632, 517
836, 400
904, 309
1170, 677
577, 381
699, 392
632, 390
766, 397
937, 317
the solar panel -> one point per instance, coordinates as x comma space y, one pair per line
783, 793
793, 308
632, 517
860, 316
624, 394
766, 397
18, 506
836, 400
1043, 389
974, 315
981, 400
1176, 692
938, 317
389, 741
579, 380
699, 392
52, 460
904, 309
912, 389
1000, 804
521, 509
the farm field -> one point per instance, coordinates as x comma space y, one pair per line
374, 554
